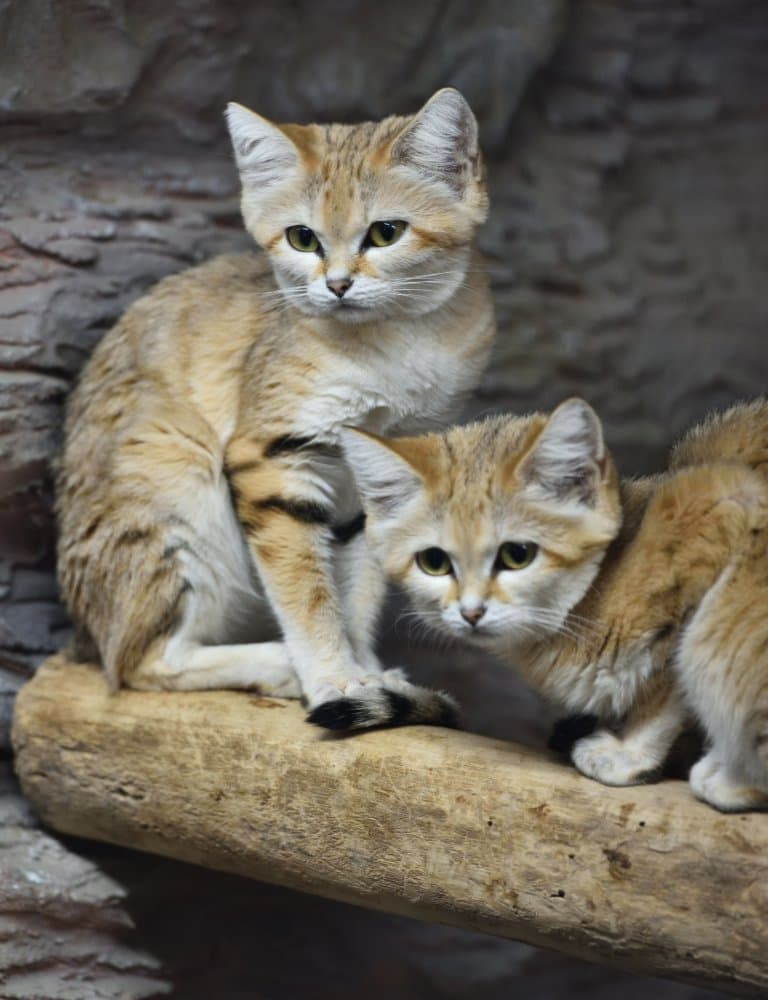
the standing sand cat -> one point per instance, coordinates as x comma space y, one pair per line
203, 504
633, 602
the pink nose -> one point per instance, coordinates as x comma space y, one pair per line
339, 287
473, 615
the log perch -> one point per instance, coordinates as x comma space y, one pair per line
439, 825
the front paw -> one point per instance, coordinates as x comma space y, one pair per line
604, 757
386, 699
712, 783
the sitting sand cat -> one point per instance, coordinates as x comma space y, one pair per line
210, 534
631, 601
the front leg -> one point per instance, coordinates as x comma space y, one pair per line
287, 522
637, 754
286, 510
362, 588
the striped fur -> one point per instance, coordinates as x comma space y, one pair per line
210, 532
646, 602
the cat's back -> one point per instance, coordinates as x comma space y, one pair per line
738, 434
215, 302
166, 374
192, 328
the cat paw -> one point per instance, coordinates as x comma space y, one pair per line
288, 688
608, 759
712, 783
390, 700
330, 688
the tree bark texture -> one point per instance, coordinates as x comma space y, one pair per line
441, 825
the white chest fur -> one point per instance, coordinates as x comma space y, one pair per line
414, 382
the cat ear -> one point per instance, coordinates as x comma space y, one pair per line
567, 459
384, 476
263, 153
441, 141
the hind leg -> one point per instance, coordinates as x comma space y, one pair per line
187, 666
722, 668
205, 649
193, 617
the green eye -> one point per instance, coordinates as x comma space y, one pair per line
434, 562
384, 234
302, 238
516, 555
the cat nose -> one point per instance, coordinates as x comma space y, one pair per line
339, 286
473, 615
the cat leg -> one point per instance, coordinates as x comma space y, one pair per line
388, 698
285, 500
723, 673
285, 497
362, 588
184, 666
181, 606
637, 755
213, 604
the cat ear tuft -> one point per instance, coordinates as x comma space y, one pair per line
441, 141
386, 481
263, 153
568, 457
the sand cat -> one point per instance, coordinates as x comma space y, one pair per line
210, 533
639, 602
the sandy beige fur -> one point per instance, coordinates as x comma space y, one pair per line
646, 600
203, 504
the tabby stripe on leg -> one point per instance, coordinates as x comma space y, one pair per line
306, 511
288, 444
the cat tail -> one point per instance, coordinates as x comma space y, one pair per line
395, 702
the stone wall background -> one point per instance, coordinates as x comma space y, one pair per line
627, 144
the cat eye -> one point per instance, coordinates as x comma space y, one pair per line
302, 238
385, 233
434, 562
516, 555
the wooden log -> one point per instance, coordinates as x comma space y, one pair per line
430, 823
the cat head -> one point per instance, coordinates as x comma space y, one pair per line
364, 222
497, 529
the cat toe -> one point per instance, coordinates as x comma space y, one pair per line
608, 760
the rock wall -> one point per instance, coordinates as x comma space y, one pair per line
627, 146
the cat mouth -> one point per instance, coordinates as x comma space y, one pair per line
345, 305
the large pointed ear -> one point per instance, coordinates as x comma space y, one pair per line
263, 153
441, 141
385, 477
567, 460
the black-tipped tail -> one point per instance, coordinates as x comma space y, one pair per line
375, 707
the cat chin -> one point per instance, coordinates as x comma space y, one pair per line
354, 315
